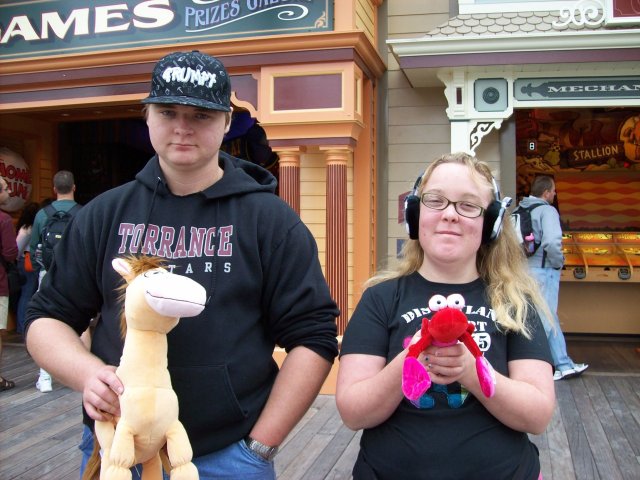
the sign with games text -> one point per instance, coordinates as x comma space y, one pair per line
54, 27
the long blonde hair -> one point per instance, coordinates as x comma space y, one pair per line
501, 264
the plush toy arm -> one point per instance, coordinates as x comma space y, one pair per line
415, 378
487, 377
424, 342
470, 343
485, 372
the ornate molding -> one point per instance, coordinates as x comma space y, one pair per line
479, 130
582, 13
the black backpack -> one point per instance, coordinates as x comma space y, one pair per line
521, 219
57, 221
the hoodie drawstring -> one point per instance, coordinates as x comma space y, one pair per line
214, 270
148, 219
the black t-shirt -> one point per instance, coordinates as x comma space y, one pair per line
452, 435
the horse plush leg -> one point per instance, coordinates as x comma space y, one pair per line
122, 454
180, 453
152, 469
104, 432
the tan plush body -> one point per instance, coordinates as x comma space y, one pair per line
155, 300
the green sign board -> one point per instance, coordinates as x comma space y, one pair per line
57, 27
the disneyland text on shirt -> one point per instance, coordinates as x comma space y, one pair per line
480, 335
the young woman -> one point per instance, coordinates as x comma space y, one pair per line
453, 431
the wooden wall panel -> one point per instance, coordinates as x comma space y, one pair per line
418, 128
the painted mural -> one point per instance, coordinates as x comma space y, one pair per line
594, 156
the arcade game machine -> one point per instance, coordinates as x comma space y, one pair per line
594, 156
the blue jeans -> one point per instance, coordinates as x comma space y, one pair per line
233, 462
549, 281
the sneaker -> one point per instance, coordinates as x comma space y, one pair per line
44, 383
577, 369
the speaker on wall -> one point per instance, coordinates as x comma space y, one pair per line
490, 95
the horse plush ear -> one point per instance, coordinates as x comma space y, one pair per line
121, 266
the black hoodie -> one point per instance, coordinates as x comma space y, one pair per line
251, 252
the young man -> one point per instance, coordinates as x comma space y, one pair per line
64, 188
545, 265
214, 218
9, 252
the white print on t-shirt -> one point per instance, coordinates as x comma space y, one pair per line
483, 340
414, 313
418, 313
480, 335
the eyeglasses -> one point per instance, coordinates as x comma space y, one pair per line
438, 202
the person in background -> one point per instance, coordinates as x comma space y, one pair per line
546, 265
246, 139
64, 188
213, 218
9, 252
24, 227
452, 430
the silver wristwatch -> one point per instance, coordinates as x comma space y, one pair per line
261, 449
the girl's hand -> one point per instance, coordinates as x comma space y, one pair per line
449, 364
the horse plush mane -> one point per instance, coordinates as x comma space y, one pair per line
154, 301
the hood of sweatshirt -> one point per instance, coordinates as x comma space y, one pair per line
531, 200
240, 177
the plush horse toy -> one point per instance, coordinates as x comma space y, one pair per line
154, 302
447, 326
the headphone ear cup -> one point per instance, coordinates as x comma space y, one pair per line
492, 222
412, 215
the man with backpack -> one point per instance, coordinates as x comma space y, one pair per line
48, 227
545, 264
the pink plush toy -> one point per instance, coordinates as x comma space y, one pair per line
447, 326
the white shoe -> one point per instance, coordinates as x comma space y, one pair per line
577, 369
44, 383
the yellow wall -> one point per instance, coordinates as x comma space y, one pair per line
365, 19
357, 15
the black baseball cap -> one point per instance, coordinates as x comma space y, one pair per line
191, 78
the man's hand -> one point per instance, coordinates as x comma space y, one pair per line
101, 394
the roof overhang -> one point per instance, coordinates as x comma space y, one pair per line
421, 58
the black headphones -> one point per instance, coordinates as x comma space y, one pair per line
493, 214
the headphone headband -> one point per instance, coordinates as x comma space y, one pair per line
493, 215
